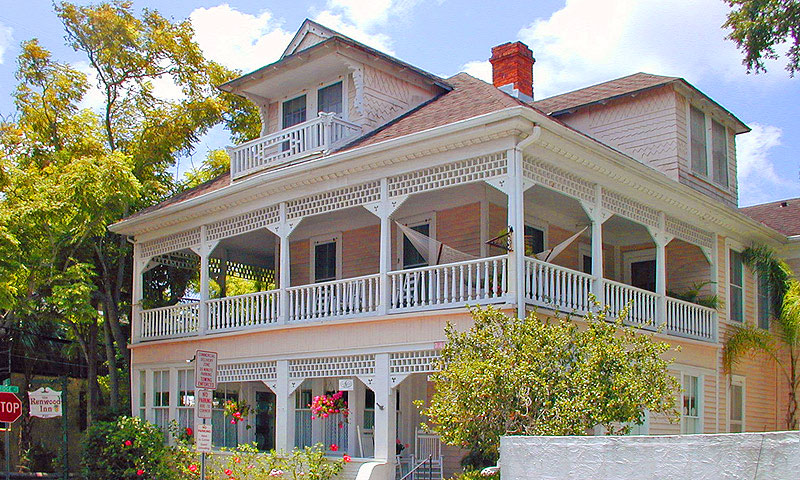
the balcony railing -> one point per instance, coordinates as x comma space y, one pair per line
314, 136
474, 282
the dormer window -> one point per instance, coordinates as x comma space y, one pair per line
329, 99
708, 157
294, 111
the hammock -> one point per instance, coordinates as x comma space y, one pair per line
437, 253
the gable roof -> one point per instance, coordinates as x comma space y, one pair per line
308, 26
783, 215
569, 102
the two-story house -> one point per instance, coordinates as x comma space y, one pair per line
362, 221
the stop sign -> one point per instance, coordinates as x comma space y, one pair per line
10, 407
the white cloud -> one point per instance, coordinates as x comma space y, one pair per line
481, 69
5, 40
759, 181
239, 40
339, 22
590, 41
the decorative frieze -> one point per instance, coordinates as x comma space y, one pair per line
171, 243
558, 179
247, 372
456, 173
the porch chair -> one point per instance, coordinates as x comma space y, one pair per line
425, 445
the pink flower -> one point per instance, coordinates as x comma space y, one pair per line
140, 472
189, 431
334, 447
233, 421
346, 458
128, 443
192, 468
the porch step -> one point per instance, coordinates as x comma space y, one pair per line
363, 469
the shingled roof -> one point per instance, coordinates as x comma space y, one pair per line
601, 92
783, 215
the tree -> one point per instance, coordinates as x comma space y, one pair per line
758, 27
782, 341
541, 376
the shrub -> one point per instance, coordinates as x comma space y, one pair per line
128, 448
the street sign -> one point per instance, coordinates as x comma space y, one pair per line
45, 403
202, 438
10, 407
205, 399
9, 388
205, 370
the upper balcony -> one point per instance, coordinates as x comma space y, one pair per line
313, 137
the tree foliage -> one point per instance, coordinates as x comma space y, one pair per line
782, 341
760, 28
541, 376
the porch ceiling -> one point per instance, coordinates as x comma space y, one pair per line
257, 244
621, 232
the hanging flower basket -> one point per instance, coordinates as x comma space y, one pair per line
323, 406
237, 410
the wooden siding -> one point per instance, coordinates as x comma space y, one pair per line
686, 267
361, 250
460, 228
387, 97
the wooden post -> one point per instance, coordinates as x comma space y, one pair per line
597, 218
385, 412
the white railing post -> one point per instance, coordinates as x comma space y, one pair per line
327, 130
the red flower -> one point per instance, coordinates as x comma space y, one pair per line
237, 459
140, 472
228, 472
189, 431
334, 447
192, 468
128, 443
346, 458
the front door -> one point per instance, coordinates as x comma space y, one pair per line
643, 275
265, 420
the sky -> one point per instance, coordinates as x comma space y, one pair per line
576, 43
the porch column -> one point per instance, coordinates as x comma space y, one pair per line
516, 220
385, 412
384, 264
285, 279
205, 253
355, 404
284, 408
661, 239
137, 293
597, 218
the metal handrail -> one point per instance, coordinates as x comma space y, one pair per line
410, 474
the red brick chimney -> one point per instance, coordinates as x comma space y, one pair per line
512, 64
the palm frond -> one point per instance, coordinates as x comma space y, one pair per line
747, 340
765, 262
789, 318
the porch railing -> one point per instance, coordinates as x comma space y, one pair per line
642, 304
316, 135
686, 319
352, 296
243, 311
169, 322
477, 281
556, 287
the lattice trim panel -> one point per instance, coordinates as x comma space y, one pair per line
243, 223
343, 366
689, 233
171, 243
188, 261
422, 361
630, 209
247, 371
346, 197
558, 179
456, 173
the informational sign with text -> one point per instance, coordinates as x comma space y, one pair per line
205, 402
45, 403
202, 439
205, 370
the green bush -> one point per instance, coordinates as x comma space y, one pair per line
127, 448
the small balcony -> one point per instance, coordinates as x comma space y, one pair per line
313, 137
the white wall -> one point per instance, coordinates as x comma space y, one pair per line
760, 456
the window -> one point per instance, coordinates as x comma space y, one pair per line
736, 420
294, 111
764, 303
699, 155
411, 257
719, 153
369, 409
143, 395
223, 433
585, 258
335, 426
329, 99
640, 269
161, 399
302, 419
691, 418
186, 398
736, 281
325, 258
534, 240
